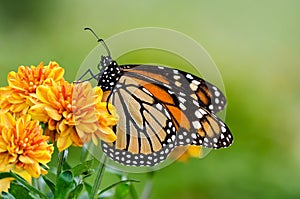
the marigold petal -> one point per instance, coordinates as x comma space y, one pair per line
8, 120
19, 107
106, 134
63, 129
4, 161
39, 113
5, 184
53, 113
42, 93
4, 108
26, 159
3, 147
95, 139
76, 139
24, 174
33, 169
56, 72
89, 128
63, 142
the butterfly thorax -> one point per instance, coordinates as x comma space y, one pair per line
109, 74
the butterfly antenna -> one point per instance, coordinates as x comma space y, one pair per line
100, 40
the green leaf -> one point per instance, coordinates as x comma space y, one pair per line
66, 166
20, 192
5, 175
5, 195
49, 183
88, 187
122, 191
83, 168
65, 185
133, 192
117, 183
61, 161
75, 193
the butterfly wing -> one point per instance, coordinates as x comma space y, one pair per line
193, 111
182, 83
145, 131
159, 111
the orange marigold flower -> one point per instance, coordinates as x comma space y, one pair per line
20, 94
71, 113
23, 147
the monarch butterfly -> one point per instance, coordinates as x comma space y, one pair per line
159, 109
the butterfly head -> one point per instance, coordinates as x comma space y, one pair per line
109, 74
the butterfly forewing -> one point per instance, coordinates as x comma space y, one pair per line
206, 94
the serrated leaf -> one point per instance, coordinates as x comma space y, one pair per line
65, 185
83, 168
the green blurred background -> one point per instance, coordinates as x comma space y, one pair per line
255, 45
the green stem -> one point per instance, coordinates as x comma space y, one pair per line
61, 160
148, 186
99, 175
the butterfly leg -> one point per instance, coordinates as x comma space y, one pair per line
107, 101
89, 71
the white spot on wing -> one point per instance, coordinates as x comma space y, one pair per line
196, 124
182, 106
176, 77
223, 129
193, 86
202, 111
196, 82
178, 84
189, 76
198, 114
181, 99
159, 106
